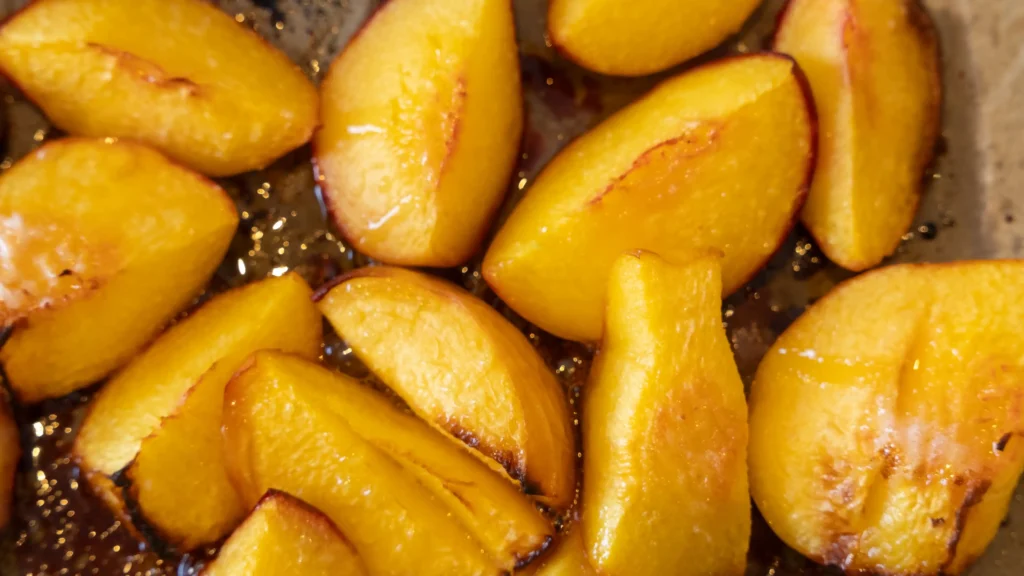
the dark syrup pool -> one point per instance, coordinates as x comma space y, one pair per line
59, 528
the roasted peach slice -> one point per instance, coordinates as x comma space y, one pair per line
179, 75
461, 365
103, 244
10, 452
665, 427
284, 536
887, 422
167, 403
411, 500
422, 116
567, 559
640, 38
717, 157
874, 69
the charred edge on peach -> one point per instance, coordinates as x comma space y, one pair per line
508, 460
974, 495
523, 559
281, 497
136, 517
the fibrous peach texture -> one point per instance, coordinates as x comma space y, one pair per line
461, 365
718, 157
422, 115
179, 75
665, 428
167, 404
411, 500
886, 422
284, 536
874, 69
639, 38
103, 244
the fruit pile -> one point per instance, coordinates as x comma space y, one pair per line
884, 428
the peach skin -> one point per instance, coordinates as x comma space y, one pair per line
179, 75
103, 244
665, 427
718, 157
422, 117
640, 38
284, 536
874, 69
160, 416
887, 421
461, 365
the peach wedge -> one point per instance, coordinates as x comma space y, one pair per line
461, 365
284, 536
887, 421
719, 157
640, 38
179, 75
103, 244
161, 415
411, 500
422, 116
874, 69
10, 453
665, 428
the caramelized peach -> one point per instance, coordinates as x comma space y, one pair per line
422, 116
567, 559
717, 157
167, 402
665, 427
284, 536
887, 422
10, 453
179, 75
411, 500
103, 244
874, 69
461, 365
640, 38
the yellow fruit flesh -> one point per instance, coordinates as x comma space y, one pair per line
885, 422
10, 453
665, 428
284, 536
94, 267
567, 559
509, 527
179, 479
177, 74
874, 69
282, 432
461, 365
225, 330
422, 116
685, 168
640, 38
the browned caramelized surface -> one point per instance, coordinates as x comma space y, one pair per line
60, 529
